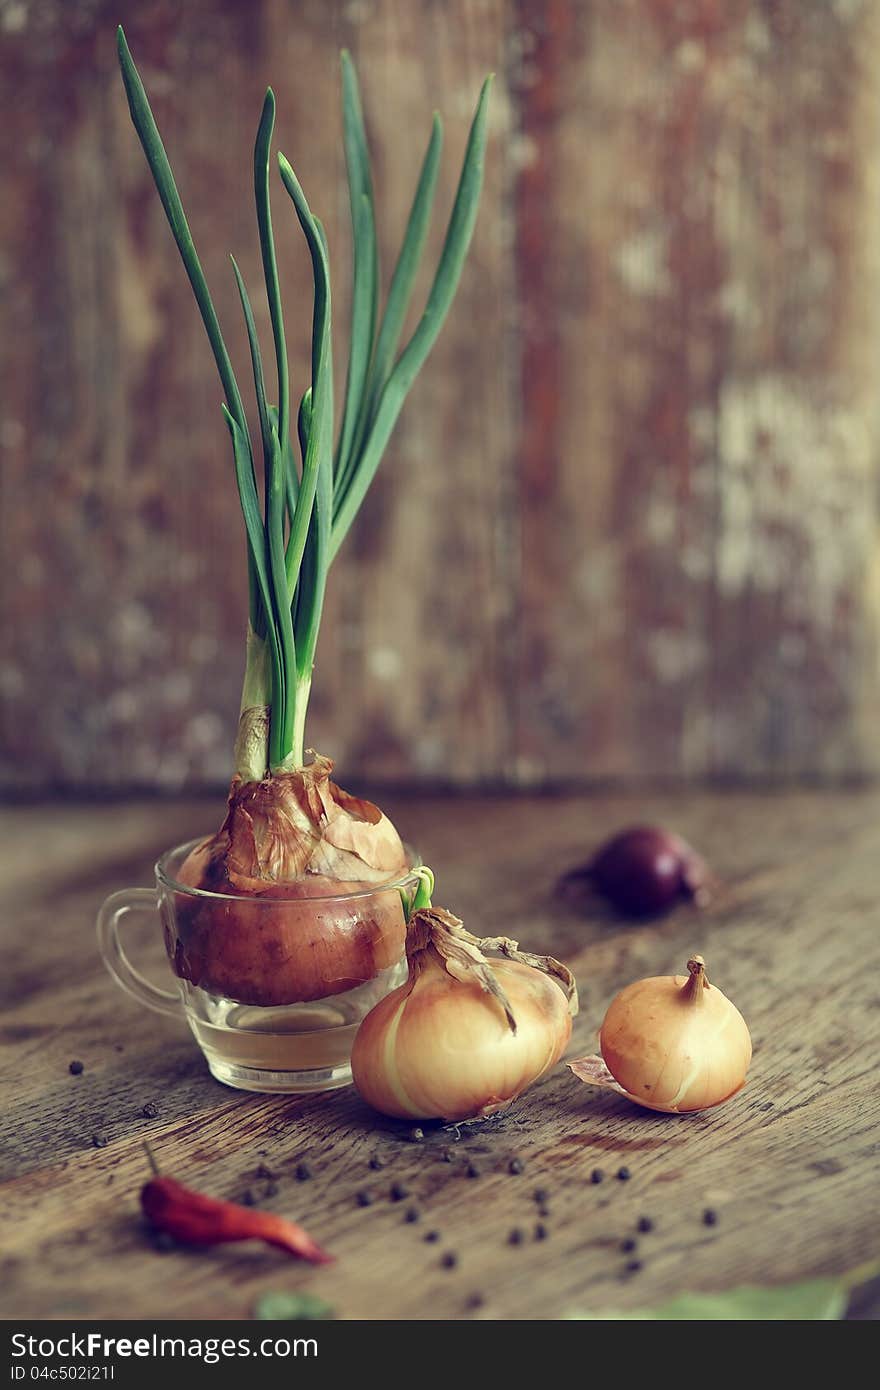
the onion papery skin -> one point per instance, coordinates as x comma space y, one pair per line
670, 1054
441, 1048
290, 848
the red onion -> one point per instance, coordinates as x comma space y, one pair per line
643, 871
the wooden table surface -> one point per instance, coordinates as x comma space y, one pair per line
789, 1166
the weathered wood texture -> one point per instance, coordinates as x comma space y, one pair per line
789, 1165
627, 524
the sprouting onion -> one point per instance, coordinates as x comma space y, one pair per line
289, 829
466, 1034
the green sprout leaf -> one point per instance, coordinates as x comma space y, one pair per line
292, 1307
403, 280
151, 141
455, 247
262, 150
307, 512
816, 1300
365, 260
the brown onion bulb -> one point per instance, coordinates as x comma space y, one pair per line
464, 1036
673, 1043
291, 848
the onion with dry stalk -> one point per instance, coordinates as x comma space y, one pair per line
286, 936
673, 1043
290, 833
465, 1035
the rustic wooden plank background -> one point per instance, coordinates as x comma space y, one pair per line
627, 526
789, 1165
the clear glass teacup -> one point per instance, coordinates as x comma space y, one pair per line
262, 1024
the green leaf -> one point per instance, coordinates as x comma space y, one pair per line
365, 291
316, 563
399, 296
403, 279
291, 474
815, 1300
421, 895
292, 1307
281, 727
151, 141
262, 149
319, 450
145, 125
309, 541
304, 422
448, 274
250, 507
256, 362
306, 515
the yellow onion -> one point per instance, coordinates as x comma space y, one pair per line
672, 1043
291, 847
464, 1036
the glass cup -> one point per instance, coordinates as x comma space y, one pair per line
282, 1033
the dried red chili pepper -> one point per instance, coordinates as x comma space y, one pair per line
195, 1219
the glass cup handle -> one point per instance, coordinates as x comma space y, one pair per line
112, 913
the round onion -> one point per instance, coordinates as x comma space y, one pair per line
283, 928
673, 1043
643, 871
465, 1035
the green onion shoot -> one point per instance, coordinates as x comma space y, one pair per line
290, 832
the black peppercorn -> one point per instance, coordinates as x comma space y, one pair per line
515, 1237
303, 1172
633, 1266
541, 1231
376, 1163
628, 1245
150, 1111
475, 1300
624, 1174
398, 1192
432, 1237
449, 1260
540, 1194
645, 1224
248, 1199
472, 1170
100, 1141
710, 1217
76, 1068
597, 1175
412, 1215
365, 1198
516, 1165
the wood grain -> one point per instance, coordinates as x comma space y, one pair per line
789, 1165
699, 536
627, 525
